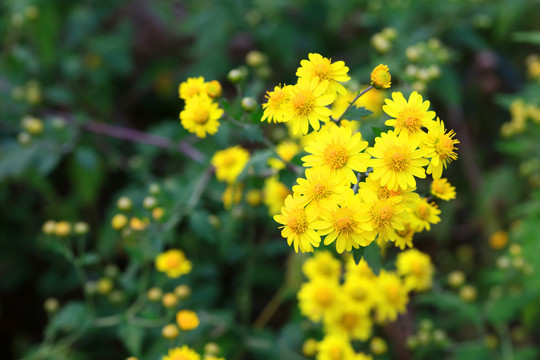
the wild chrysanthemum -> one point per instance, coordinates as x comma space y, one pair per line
397, 161
191, 87
201, 115
173, 263
329, 74
348, 225
232, 195
274, 195
371, 190
417, 269
404, 237
187, 320
307, 105
319, 297
442, 189
408, 116
338, 152
386, 216
298, 225
392, 296
350, 321
335, 347
230, 163
440, 146
423, 215
183, 353
322, 265
275, 105
359, 290
213, 89
321, 189
380, 77
361, 270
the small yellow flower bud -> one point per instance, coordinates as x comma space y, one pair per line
518, 262
211, 348
456, 278
170, 332
149, 202
157, 213
33, 92
32, 125
503, 262
170, 300
138, 224
378, 346
104, 286
132, 358
111, 270
498, 240
213, 89
182, 291
309, 347
154, 189
62, 228
380, 43
389, 33
187, 320
426, 324
255, 58
236, 75
214, 221
154, 294
412, 53
515, 249
24, 138
412, 342
424, 337
119, 221
249, 104
439, 336
124, 203
48, 227
51, 305
380, 77
254, 197
468, 293
81, 228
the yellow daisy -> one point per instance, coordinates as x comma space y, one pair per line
183, 353
192, 87
274, 195
439, 146
230, 163
359, 290
408, 116
404, 237
392, 296
275, 105
423, 215
397, 161
442, 189
386, 216
329, 74
417, 269
362, 270
173, 263
371, 190
380, 77
338, 152
335, 347
201, 115
319, 297
187, 320
322, 265
298, 225
350, 321
307, 106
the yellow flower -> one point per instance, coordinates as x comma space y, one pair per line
213, 89
408, 116
322, 265
230, 163
404, 237
442, 189
362, 270
287, 150
349, 224
174, 263
392, 296
274, 108
232, 195
371, 190
183, 353
201, 115
417, 269
62, 228
498, 240
191, 87
423, 215
321, 189
338, 151
329, 74
119, 221
397, 161
169, 332
254, 197
187, 320
362, 356
310, 347
335, 347
307, 106
380, 77
319, 297
274, 195
440, 146
350, 321
138, 224
359, 291
298, 225
387, 216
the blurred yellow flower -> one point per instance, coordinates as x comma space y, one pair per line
230, 163
174, 263
187, 320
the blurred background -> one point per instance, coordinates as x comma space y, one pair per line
78, 64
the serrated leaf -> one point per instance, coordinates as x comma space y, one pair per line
355, 113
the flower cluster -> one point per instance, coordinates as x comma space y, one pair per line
521, 112
354, 193
229, 164
348, 306
201, 114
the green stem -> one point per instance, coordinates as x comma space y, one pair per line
337, 121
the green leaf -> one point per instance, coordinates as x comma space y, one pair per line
376, 131
355, 113
86, 174
132, 337
531, 37
71, 317
372, 255
358, 254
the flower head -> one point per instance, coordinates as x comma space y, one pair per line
408, 116
392, 296
423, 214
191, 87
440, 146
183, 353
335, 347
380, 77
350, 321
442, 189
322, 265
329, 74
417, 269
174, 263
319, 297
274, 195
201, 115
230, 163
187, 320
275, 105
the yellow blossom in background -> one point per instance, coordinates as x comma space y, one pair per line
298, 225
442, 189
321, 190
423, 215
416, 268
378, 346
274, 195
201, 115
372, 100
232, 195
254, 197
339, 152
335, 347
307, 106
397, 161
498, 240
372, 190
174, 263
362, 356
440, 146
310, 347
62, 228
191, 87
359, 291
187, 320
213, 89
350, 321
404, 237
380, 77
138, 224
286, 150
183, 353
319, 297
274, 108
322, 265
361, 269
230, 163
409, 116
392, 296
322, 71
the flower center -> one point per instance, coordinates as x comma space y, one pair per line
381, 213
349, 321
336, 352
344, 222
410, 120
297, 221
358, 293
323, 296
303, 103
320, 192
444, 147
193, 90
200, 116
322, 70
392, 292
182, 357
384, 193
173, 262
417, 268
335, 156
422, 211
276, 99
396, 159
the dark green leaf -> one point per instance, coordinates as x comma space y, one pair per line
358, 254
372, 255
132, 337
376, 131
355, 113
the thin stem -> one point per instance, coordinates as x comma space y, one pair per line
352, 103
358, 178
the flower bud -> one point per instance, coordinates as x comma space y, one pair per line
255, 58
310, 347
104, 286
211, 348
119, 221
24, 138
48, 227
157, 213
249, 104
170, 332
51, 305
124, 203
62, 228
81, 228
468, 293
498, 240
32, 125
456, 278
154, 189
170, 300
154, 294
380, 77
149, 202
187, 320
182, 291
378, 346
236, 76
